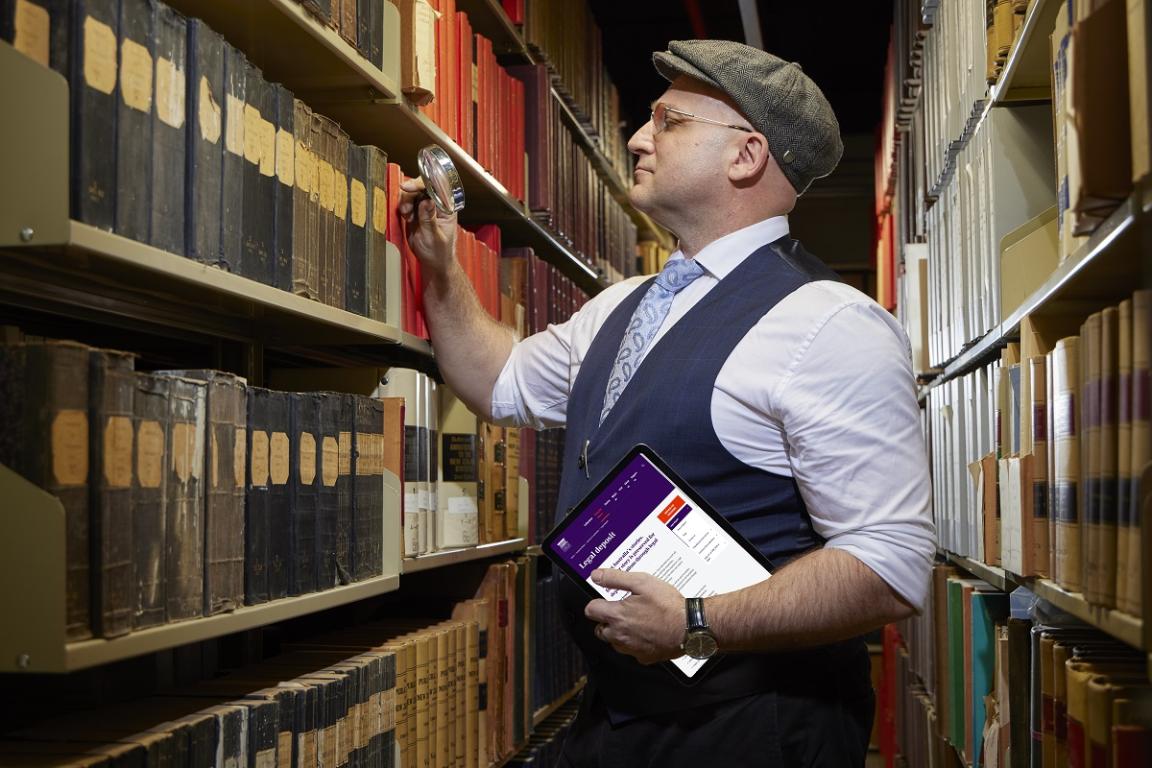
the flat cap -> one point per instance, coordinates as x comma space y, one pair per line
779, 100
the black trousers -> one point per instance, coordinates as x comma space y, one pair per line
787, 728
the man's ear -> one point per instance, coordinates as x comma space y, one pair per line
751, 158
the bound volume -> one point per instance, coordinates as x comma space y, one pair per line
205, 141
148, 499
168, 131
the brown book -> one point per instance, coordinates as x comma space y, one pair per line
1123, 450
378, 288
112, 388
338, 244
1141, 455
347, 18
1038, 375
148, 499
1066, 460
1104, 552
44, 415
305, 266
476, 612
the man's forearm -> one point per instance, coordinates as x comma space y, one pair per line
822, 597
471, 347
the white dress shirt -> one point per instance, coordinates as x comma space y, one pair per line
821, 389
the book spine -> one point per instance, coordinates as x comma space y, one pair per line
134, 120
112, 389
328, 498
348, 20
256, 498
263, 728
306, 448
279, 514
205, 142
184, 502
94, 62
152, 421
339, 235
364, 32
368, 494
1066, 464
356, 274
285, 206
224, 501
376, 188
169, 131
304, 267
232, 168
324, 197
342, 528
259, 192
38, 29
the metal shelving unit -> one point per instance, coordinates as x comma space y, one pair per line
1026, 75
449, 557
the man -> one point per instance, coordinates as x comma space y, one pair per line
783, 397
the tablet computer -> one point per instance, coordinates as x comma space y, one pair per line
643, 517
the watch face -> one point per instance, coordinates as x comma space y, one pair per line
700, 644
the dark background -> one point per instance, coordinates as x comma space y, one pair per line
842, 46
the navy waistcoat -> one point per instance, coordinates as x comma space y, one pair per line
667, 404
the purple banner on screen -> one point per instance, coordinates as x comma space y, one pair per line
589, 538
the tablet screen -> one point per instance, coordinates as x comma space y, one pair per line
641, 517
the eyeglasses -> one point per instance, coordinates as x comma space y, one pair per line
661, 112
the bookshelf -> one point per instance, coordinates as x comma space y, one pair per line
448, 557
544, 713
1025, 76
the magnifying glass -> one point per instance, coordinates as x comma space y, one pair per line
441, 179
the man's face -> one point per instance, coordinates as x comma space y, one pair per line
681, 166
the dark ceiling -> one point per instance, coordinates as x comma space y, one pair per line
841, 45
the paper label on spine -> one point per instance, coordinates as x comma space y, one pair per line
214, 462
345, 467
170, 93
284, 749
326, 179
305, 167
99, 56
278, 458
379, 210
307, 458
329, 461
259, 458
209, 113
239, 451
234, 140
358, 199
265, 758
425, 39
183, 449
118, 451
460, 524
70, 447
149, 454
33, 30
340, 194
267, 148
136, 76
285, 157
253, 144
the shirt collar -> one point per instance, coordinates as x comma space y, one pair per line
721, 256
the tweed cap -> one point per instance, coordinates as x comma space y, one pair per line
779, 100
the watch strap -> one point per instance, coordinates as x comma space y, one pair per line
694, 607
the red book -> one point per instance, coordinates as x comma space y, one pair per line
451, 86
514, 9
464, 103
412, 292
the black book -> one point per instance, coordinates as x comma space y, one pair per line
375, 31
338, 242
279, 495
305, 265
152, 420
226, 430
232, 166
263, 730
135, 95
285, 187
388, 694
44, 438
231, 734
205, 142
259, 210
356, 267
286, 726
356, 681
320, 228
93, 63
112, 391
335, 452
184, 502
376, 185
257, 497
368, 493
345, 490
305, 447
169, 130
322, 9
38, 29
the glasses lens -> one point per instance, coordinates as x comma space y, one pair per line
659, 112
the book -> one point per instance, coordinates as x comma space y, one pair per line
134, 119
151, 421
357, 280
39, 29
1090, 452
204, 188
257, 496
368, 488
1141, 435
383, 279
342, 532
1104, 552
305, 265
284, 208
112, 388
1066, 464
169, 131
44, 413
306, 450
1038, 373
184, 499
258, 225
328, 496
279, 426
338, 244
233, 176
93, 65
459, 474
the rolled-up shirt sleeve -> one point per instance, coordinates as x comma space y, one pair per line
856, 447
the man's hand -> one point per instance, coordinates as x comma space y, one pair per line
431, 234
648, 624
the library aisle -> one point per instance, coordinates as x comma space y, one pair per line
244, 521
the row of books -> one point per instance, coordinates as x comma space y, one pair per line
1003, 19
547, 740
359, 22
1015, 687
1038, 459
188, 493
565, 191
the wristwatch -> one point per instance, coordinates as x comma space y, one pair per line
699, 642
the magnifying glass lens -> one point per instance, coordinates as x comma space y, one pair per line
441, 179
